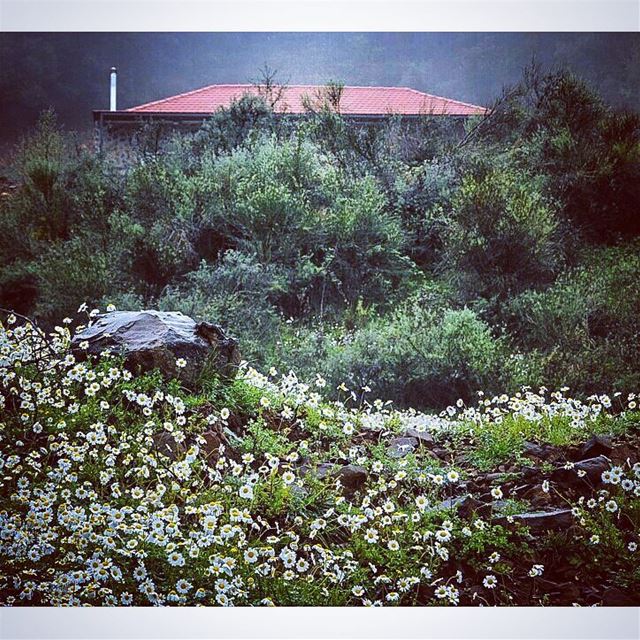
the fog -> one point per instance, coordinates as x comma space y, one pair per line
70, 71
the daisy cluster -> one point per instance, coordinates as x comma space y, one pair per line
540, 406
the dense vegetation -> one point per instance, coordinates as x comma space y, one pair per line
425, 261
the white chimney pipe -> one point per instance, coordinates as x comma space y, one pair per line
112, 103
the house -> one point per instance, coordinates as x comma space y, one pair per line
188, 111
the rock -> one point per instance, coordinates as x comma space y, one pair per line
568, 593
615, 597
323, 470
165, 443
594, 447
351, 476
541, 451
465, 505
440, 452
156, 339
492, 477
400, 447
537, 497
592, 468
423, 437
211, 449
542, 520
623, 452
530, 474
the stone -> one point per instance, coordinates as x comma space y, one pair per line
423, 437
541, 451
157, 339
493, 477
401, 447
465, 505
324, 469
530, 474
616, 597
539, 521
538, 498
165, 443
439, 452
594, 447
592, 468
351, 476
212, 441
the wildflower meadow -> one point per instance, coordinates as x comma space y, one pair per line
125, 489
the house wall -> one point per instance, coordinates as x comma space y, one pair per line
124, 139
124, 136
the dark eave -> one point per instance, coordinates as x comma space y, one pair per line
133, 117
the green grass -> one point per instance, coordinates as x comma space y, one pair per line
494, 443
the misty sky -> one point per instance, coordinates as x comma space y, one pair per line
69, 71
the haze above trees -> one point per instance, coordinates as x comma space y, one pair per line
69, 71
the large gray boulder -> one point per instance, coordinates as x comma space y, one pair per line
158, 340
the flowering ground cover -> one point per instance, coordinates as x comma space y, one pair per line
125, 489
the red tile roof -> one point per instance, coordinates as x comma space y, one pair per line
354, 101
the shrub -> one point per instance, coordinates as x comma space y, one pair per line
587, 324
556, 125
71, 273
284, 203
424, 354
504, 236
238, 292
362, 245
259, 197
234, 126
159, 199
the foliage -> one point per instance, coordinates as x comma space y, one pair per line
589, 152
586, 325
503, 236
239, 292
424, 354
229, 128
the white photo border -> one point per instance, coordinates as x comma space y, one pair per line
320, 15
505, 623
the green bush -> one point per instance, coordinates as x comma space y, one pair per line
423, 258
424, 354
587, 325
285, 204
71, 273
239, 293
556, 125
57, 248
503, 237
363, 246
230, 128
